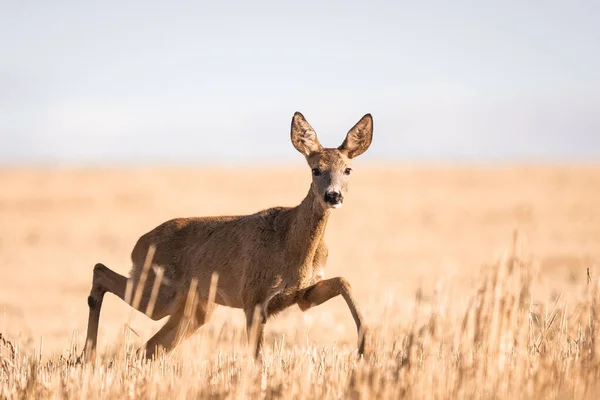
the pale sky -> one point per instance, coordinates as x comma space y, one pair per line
198, 82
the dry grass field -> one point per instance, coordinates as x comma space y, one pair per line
458, 307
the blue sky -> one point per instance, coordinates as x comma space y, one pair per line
198, 82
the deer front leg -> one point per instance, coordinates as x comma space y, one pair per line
255, 328
324, 290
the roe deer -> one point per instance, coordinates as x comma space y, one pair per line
266, 261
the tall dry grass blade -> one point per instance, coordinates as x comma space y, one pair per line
41, 349
579, 342
129, 290
593, 318
212, 292
143, 276
549, 320
155, 288
189, 314
531, 314
190, 304
498, 305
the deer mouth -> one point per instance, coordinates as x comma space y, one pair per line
334, 203
333, 199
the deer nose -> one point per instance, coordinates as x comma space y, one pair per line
333, 197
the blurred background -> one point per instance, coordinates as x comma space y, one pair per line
206, 82
118, 115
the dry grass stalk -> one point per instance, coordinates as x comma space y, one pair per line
496, 345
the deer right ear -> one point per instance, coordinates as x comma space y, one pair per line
304, 137
358, 138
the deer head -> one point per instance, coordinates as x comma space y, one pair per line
331, 167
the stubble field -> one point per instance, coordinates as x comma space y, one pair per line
477, 282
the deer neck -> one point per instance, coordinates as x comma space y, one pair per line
308, 228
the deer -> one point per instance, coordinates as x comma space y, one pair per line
265, 262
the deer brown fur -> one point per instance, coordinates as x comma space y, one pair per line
266, 261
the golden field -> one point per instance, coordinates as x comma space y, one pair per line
458, 307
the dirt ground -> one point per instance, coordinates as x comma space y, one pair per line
402, 227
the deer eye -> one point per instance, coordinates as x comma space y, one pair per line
316, 171
347, 171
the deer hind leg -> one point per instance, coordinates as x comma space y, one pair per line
178, 328
325, 290
106, 280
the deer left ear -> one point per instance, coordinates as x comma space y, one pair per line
358, 138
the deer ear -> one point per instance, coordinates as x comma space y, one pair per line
303, 135
358, 138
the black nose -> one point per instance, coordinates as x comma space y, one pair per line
333, 197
